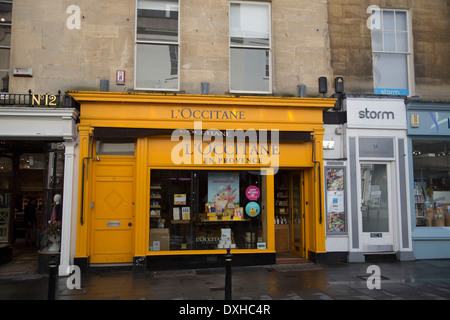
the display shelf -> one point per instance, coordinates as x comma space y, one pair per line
222, 221
180, 221
155, 205
282, 212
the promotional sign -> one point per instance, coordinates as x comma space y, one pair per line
252, 193
223, 189
252, 209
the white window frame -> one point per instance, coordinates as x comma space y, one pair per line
268, 48
154, 42
7, 47
409, 54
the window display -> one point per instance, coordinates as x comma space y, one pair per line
205, 210
335, 200
431, 162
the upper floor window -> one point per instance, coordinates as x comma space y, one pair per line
157, 45
5, 43
391, 52
250, 54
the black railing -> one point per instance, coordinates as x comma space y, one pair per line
38, 100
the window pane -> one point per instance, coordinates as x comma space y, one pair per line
4, 59
249, 24
5, 13
157, 20
5, 35
157, 66
377, 41
388, 20
400, 19
32, 161
374, 198
123, 147
431, 162
402, 42
390, 71
389, 41
249, 69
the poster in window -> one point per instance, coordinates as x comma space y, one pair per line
335, 200
223, 190
179, 199
186, 213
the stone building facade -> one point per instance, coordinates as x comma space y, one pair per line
351, 45
72, 45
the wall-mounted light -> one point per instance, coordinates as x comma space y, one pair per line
323, 85
339, 85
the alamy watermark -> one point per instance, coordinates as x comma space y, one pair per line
228, 147
73, 281
73, 22
374, 21
374, 280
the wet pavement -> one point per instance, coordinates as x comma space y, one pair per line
413, 280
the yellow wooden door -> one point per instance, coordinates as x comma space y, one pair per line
112, 210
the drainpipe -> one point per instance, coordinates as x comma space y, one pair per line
85, 166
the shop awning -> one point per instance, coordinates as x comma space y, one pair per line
111, 132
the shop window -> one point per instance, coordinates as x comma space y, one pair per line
157, 45
431, 161
391, 52
34, 161
122, 147
250, 47
206, 210
335, 200
5, 203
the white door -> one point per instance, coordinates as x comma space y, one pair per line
376, 207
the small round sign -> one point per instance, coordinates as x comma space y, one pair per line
252, 193
252, 209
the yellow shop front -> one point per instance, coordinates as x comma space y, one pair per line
173, 181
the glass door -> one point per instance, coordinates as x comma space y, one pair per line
297, 209
375, 207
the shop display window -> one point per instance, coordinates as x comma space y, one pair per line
206, 210
431, 161
335, 200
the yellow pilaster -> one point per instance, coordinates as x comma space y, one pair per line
270, 203
82, 247
319, 212
142, 196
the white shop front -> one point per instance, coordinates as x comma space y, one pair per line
375, 187
38, 149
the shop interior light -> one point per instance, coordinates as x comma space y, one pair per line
426, 155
